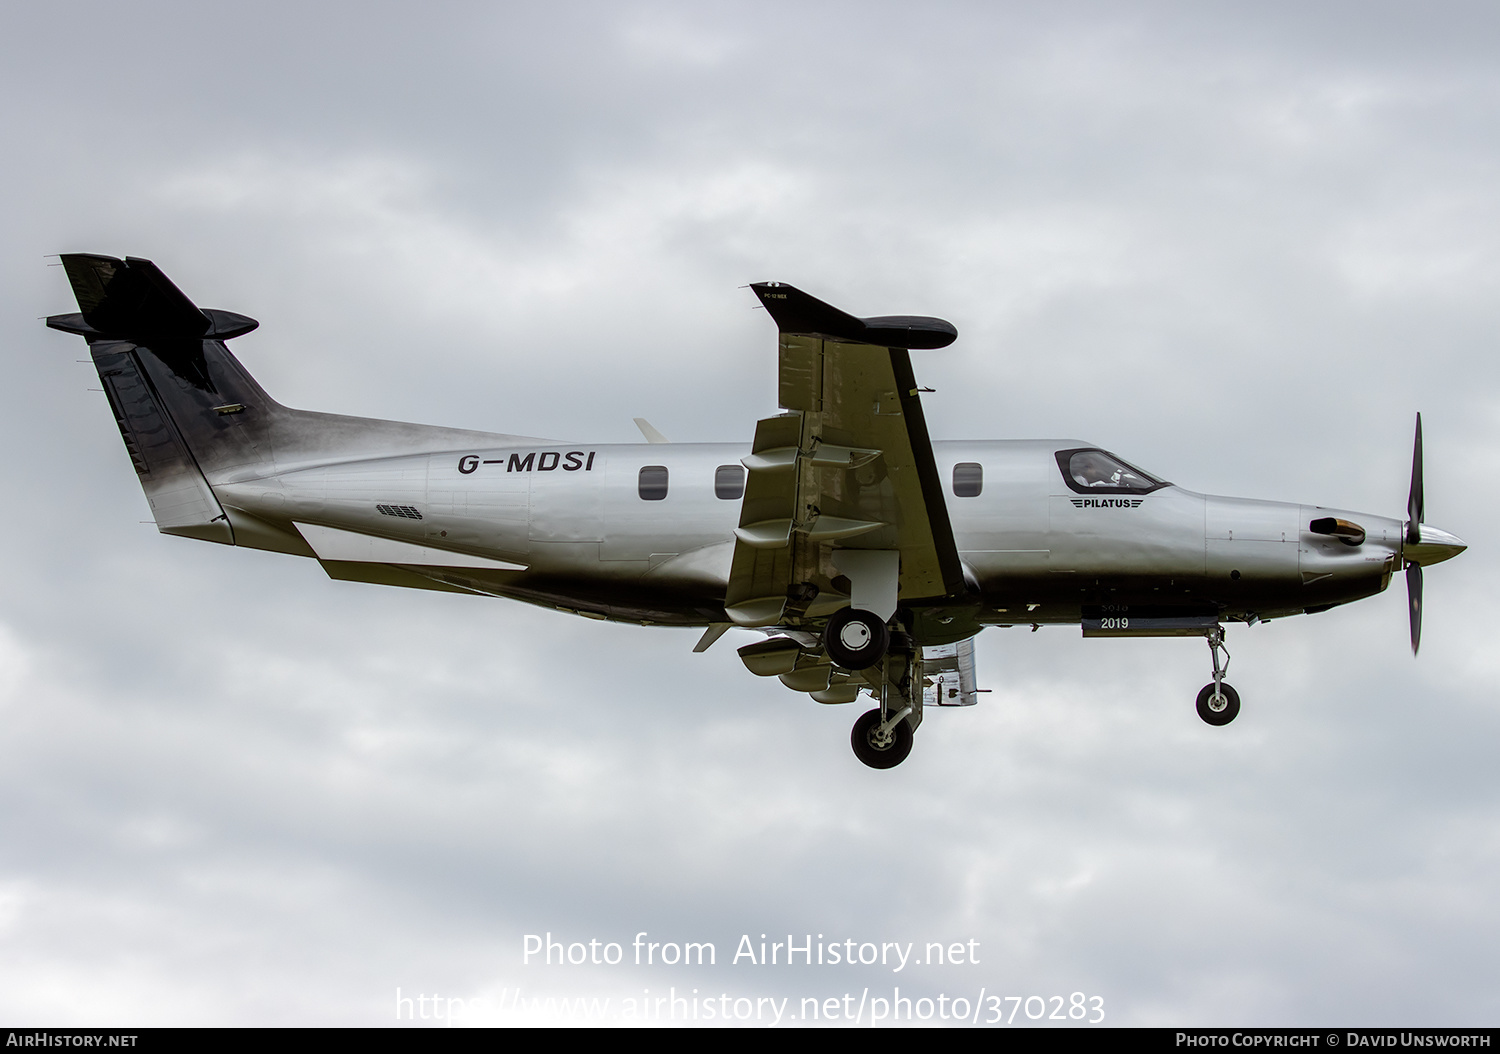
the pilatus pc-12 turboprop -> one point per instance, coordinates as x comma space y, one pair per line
869, 555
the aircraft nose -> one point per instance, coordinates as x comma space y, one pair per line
1431, 547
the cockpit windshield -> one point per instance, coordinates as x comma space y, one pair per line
1096, 471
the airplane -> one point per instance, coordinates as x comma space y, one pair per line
869, 556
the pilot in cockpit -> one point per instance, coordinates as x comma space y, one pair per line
1091, 468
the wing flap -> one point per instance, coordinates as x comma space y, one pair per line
761, 566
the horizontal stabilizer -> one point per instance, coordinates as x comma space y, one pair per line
330, 543
796, 312
132, 299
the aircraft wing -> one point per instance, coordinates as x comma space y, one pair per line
848, 467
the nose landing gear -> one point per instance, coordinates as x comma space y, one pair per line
1218, 708
1218, 703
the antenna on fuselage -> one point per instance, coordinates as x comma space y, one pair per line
651, 434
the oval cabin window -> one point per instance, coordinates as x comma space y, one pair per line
653, 483
729, 482
968, 479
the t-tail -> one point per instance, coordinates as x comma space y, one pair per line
185, 406
194, 419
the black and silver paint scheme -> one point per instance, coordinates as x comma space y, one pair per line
869, 555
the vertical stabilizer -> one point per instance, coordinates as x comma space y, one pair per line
149, 343
181, 500
195, 421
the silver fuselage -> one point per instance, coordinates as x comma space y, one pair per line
571, 517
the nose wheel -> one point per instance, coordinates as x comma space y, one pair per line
1218, 703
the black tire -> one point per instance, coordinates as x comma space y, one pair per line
1225, 713
873, 753
855, 639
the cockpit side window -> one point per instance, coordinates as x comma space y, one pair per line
1092, 471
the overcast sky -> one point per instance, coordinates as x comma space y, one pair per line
1240, 245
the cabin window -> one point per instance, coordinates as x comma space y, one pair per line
729, 482
1098, 471
968, 479
653, 483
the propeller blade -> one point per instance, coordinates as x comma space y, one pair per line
1415, 503
1414, 603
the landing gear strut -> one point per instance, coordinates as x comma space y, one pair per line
882, 737
1218, 703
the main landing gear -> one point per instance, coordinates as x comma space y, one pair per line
855, 639
862, 643
882, 744
1218, 703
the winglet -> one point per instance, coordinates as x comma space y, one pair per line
796, 312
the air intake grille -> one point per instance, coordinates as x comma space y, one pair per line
404, 511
